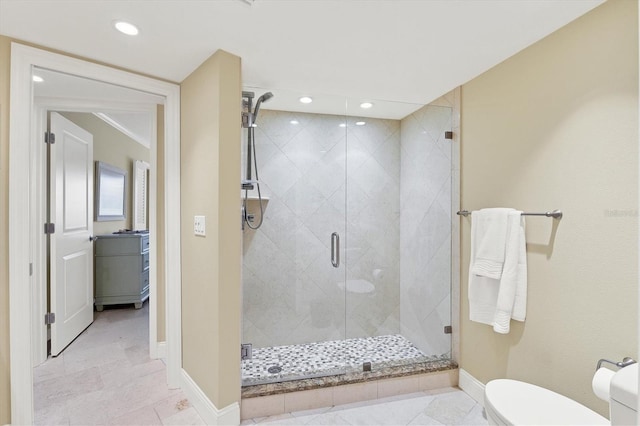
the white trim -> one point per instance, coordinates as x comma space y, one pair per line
20, 236
229, 415
22, 214
173, 267
90, 105
161, 350
472, 386
39, 248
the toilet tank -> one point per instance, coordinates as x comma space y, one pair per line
623, 404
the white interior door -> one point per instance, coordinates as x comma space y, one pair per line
71, 247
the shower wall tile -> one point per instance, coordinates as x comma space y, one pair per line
307, 400
279, 172
398, 386
303, 170
262, 407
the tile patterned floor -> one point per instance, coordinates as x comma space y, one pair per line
328, 358
442, 407
106, 377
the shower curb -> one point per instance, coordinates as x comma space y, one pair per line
331, 393
254, 391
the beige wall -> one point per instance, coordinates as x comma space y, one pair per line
5, 383
211, 265
117, 149
556, 126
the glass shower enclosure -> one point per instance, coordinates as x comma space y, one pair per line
350, 269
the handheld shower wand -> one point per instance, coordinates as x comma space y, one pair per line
265, 97
248, 121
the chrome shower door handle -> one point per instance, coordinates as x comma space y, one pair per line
335, 249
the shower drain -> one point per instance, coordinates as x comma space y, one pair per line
275, 369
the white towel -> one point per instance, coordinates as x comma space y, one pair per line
495, 301
490, 229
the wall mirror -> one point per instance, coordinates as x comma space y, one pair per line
110, 192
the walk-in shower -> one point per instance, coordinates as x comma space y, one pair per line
249, 118
379, 179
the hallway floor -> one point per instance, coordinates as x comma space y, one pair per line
106, 377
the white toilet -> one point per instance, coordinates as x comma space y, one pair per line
511, 402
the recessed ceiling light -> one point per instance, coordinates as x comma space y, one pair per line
126, 28
360, 123
342, 124
37, 79
306, 100
294, 122
366, 105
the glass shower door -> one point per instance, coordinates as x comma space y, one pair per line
293, 273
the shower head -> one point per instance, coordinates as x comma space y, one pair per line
265, 97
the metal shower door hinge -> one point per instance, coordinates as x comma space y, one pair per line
49, 318
448, 329
246, 351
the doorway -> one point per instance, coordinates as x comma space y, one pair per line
25, 254
124, 124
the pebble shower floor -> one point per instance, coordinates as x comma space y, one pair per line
328, 358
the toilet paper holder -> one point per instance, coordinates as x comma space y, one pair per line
626, 361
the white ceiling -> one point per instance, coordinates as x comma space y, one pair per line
406, 51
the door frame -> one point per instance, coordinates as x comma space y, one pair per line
42, 105
25, 202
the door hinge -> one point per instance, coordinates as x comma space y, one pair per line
448, 329
448, 135
30, 269
49, 228
49, 318
49, 137
246, 351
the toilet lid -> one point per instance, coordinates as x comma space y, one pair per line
520, 403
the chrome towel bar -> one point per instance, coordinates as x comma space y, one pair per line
556, 214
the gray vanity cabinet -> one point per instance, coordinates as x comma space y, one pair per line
122, 269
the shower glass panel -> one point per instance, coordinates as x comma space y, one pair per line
380, 180
293, 282
399, 217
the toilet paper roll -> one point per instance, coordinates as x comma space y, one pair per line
601, 383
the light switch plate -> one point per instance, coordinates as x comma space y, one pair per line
199, 225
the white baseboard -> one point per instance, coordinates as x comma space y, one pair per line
472, 386
229, 415
161, 350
